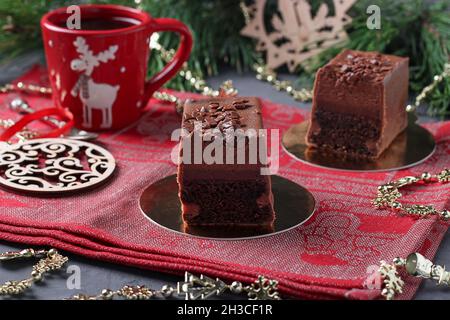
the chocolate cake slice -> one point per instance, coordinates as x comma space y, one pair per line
359, 103
223, 192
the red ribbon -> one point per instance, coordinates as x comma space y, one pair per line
62, 114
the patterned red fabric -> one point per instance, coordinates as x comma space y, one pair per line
329, 257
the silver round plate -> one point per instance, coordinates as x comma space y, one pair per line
411, 147
294, 205
48, 166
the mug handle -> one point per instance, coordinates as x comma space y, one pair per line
181, 56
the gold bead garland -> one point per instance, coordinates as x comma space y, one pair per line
20, 86
388, 195
192, 288
197, 82
263, 73
428, 89
202, 287
49, 261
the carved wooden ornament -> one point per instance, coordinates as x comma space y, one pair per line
296, 35
54, 165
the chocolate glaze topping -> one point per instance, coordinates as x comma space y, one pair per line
355, 67
217, 115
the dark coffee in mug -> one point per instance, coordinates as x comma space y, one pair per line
109, 23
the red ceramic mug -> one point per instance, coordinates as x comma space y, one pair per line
98, 72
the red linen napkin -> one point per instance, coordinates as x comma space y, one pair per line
329, 257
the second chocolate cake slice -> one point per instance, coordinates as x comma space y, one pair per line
359, 104
227, 193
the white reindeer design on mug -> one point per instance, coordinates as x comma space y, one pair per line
93, 95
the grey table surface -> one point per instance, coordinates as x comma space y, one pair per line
96, 275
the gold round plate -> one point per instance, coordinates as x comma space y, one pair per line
413, 146
294, 205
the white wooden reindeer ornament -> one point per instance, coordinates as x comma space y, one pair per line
93, 95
